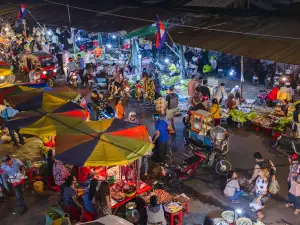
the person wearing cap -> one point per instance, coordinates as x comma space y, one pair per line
11, 167
160, 138
293, 183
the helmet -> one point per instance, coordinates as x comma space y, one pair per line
70, 59
236, 87
294, 156
155, 116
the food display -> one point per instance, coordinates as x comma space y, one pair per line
118, 196
263, 122
243, 221
172, 207
229, 216
162, 196
129, 190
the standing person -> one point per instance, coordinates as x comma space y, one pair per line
192, 84
103, 199
160, 138
60, 174
231, 103
261, 190
157, 81
11, 167
171, 106
150, 90
155, 212
204, 90
215, 111
294, 183
80, 63
8, 113
262, 164
296, 123
71, 68
220, 93
120, 114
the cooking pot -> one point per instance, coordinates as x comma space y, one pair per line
217, 133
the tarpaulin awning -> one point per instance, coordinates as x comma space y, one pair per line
276, 39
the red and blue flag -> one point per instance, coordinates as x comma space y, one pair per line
160, 34
22, 12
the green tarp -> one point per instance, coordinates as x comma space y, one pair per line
143, 32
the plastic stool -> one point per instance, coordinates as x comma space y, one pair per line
172, 216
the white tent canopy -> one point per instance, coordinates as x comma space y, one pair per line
109, 220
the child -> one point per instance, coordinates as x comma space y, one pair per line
138, 90
232, 189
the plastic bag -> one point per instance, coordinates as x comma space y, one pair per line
274, 187
56, 216
256, 204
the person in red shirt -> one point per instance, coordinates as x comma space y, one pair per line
272, 95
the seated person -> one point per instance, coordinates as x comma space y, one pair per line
71, 201
95, 104
155, 212
232, 188
102, 102
231, 103
283, 109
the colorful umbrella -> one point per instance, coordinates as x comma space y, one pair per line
102, 143
14, 90
48, 100
25, 119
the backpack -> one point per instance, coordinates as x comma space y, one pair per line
173, 102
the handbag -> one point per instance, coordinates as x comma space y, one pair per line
274, 187
295, 188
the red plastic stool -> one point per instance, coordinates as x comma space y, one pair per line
172, 216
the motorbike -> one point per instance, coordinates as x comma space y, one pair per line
73, 79
106, 113
232, 73
174, 175
286, 146
91, 81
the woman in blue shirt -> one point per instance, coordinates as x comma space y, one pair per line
88, 200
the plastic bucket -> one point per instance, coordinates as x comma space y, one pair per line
38, 186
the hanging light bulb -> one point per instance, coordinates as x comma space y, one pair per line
139, 56
78, 38
108, 45
6, 29
114, 36
167, 60
49, 32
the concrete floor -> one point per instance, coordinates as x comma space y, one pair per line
203, 188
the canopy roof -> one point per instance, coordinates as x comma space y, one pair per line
57, 15
262, 38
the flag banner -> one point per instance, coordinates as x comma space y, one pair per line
22, 12
160, 34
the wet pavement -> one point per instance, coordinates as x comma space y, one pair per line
203, 187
